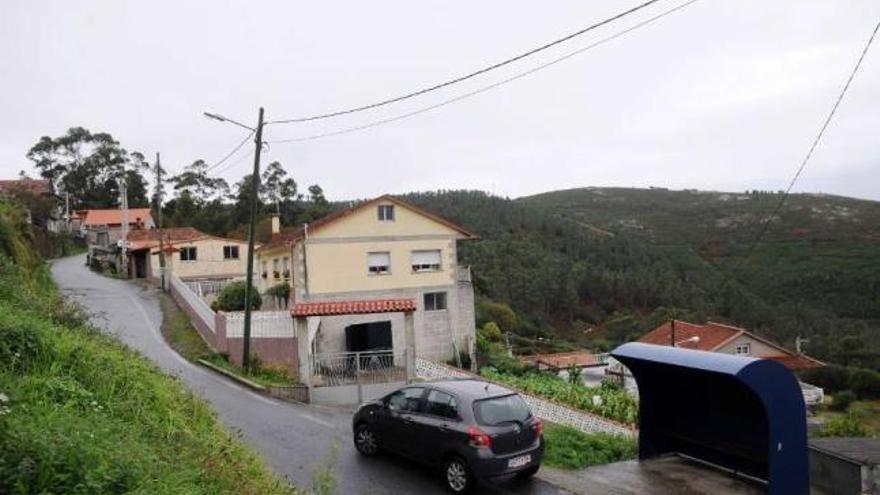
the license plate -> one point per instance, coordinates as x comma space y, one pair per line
519, 461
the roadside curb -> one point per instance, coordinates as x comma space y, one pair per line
229, 374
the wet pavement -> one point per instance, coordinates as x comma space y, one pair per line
295, 439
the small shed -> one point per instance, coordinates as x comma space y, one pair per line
742, 414
846, 466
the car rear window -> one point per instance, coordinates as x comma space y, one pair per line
500, 410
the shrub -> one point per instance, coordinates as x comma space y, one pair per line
499, 313
615, 402
491, 331
833, 377
567, 448
842, 400
281, 293
849, 425
231, 298
865, 384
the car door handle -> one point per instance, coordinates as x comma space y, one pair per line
408, 420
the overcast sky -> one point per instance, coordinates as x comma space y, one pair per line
722, 95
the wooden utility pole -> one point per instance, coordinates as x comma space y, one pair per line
159, 195
255, 189
672, 333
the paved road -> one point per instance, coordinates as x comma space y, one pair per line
294, 439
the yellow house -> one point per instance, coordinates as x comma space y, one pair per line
378, 251
189, 254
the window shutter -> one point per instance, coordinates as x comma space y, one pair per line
379, 259
431, 257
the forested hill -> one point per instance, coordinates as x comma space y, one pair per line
601, 265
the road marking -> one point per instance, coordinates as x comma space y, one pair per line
319, 421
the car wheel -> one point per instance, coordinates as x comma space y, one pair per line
458, 477
365, 441
528, 473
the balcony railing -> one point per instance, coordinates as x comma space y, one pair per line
349, 368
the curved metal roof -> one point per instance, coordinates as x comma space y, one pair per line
744, 414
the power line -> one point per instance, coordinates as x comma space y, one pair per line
228, 155
485, 88
766, 223
232, 164
466, 76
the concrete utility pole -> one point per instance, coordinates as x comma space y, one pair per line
159, 191
123, 200
255, 183
255, 190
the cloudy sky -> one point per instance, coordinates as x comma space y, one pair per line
723, 94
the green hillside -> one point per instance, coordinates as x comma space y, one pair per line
82, 414
601, 265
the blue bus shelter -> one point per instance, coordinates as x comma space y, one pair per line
743, 414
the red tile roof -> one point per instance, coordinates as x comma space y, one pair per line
142, 239
714, 335
798, 362
328, 308
711, 335
36, 186
114, 216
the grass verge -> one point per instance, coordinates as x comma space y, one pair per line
180, 334
567, 448
80, 413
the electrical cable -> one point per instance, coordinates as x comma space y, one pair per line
228, 155
470, 75
765, 226
485, 88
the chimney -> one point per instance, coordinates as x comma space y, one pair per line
276, 224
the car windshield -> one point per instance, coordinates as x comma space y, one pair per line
500, 410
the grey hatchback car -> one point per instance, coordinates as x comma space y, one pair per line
476, 431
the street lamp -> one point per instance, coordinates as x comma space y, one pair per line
255, 187
693, 340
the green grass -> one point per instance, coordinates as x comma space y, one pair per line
180, 334
615, 403
264, 375
860, 416
83, 414
567, 448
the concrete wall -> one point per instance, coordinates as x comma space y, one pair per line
835, 475
434, 330
268, 257
758, 349
346, 395
209, 261
276, 351
342, 266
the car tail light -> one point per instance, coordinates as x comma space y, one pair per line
479, 438
539, 426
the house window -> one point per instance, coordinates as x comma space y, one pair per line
435, 301
188, 254
263, 269
386, 213
743, 349
426, 261
275, 272
379, 263
285, 268
230, 252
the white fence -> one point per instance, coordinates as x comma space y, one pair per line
544, 409
207, 287
203, 311
264, 324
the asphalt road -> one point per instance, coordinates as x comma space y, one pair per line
295, 440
